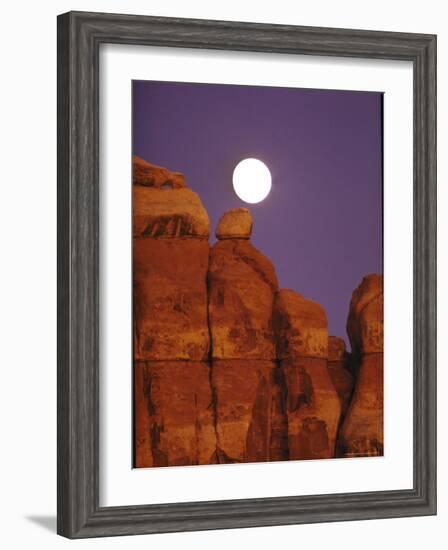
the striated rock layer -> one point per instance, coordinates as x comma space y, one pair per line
312, 404
362, 431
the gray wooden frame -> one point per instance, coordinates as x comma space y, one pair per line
79, 38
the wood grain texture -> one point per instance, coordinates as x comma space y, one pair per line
79, 38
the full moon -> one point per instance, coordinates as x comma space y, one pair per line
252, 180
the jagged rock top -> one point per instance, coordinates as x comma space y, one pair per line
365, 320
150, 175
163, 206
300, 326
235, 224
336, 348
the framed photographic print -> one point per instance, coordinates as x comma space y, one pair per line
246, 274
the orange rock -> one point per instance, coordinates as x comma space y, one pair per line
170, 299
312, 404
336, 349
242, 283
365, 320
313, 408
235, 224
174, 424
168, 213
362, 431
151, 175
339, 371
243, 394
301, 326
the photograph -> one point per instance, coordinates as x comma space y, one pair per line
229, 249
257, 272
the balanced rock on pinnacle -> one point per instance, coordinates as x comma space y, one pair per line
235, 224
242, 284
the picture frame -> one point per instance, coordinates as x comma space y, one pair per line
80, 35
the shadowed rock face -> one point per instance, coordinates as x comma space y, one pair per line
312, 404
362, 430
279, 449
338, 368
365, 319
168, 213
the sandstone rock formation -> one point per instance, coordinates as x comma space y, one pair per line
242, 284
227, 367
173, 422
339, 370
169, 212
362, 430
312, 404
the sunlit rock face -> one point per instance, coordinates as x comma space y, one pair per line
150, 175
235, 224
174, 420
170, 264
312, 404
339, 370
170, 299
242, 283
164, 207
362, 430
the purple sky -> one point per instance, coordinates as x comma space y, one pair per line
321, 224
